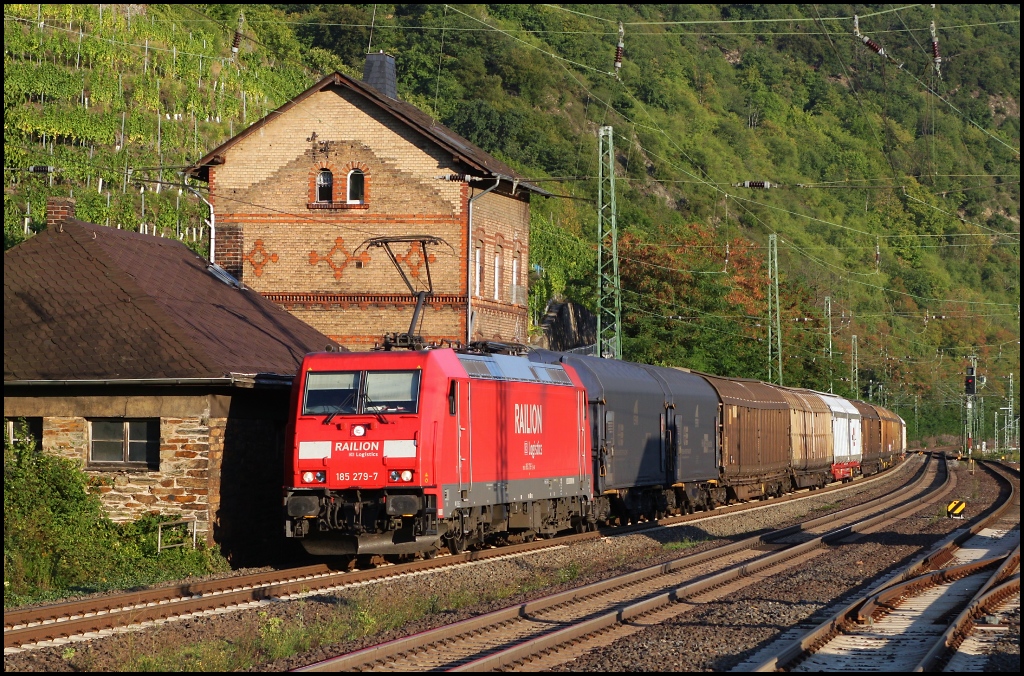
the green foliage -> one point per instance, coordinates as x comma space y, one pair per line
57, 540
865, 155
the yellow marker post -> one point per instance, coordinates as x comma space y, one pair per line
955, 509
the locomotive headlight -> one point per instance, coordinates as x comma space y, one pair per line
406, 475
321, 476
307, 477
358, 430
393, 475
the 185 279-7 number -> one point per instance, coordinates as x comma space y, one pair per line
357, 476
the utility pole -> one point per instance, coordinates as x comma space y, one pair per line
917, 425
854, 367
609, 296
774, 322
828, 313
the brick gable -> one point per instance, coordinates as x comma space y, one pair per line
307, 255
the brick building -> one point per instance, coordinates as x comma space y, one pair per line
296, 196
165, 380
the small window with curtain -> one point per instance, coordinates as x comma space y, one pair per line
479, 263
356, 186
325, 186
116, 443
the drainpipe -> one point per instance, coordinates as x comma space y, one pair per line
211, 222
471, 267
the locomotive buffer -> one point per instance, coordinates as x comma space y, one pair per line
409, 340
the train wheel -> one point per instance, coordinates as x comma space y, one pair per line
456, 543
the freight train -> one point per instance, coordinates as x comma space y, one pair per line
407, 452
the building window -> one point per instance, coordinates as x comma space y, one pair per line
513, 296
325, 186
497, 273
479, 262
125, 443
356, 187
25, 430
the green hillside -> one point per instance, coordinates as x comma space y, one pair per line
895, 188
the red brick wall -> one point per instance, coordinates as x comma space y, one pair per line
58, 210
275, 237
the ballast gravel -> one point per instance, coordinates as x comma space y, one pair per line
704, 642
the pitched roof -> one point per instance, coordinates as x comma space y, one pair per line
85, 302
478, 160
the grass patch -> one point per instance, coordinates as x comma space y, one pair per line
826, 507
681, 545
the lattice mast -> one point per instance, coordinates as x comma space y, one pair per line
774, 322
609, 297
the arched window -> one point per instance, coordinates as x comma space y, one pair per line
514, 291
355, 187
325, 186
497, 272
479, 262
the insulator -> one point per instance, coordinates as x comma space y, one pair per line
238, 35
935, 48
856, 25
618, 56
874, 46
40, 169
765, 185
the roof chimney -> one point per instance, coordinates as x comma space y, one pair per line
379, 73
58, 210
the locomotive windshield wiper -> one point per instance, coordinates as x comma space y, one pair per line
367, 403
338, 408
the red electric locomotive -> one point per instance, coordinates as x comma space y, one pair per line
403, 452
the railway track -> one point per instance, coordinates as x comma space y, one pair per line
916, 620
504, 638
95, 616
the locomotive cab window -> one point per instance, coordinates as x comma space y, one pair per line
391, 391
328, 393
348, 393
453, 391
117, 443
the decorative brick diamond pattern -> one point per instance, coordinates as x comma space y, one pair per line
344, 256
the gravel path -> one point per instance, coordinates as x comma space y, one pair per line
282, 635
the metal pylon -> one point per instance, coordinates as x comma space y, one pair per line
774, 323
609, 297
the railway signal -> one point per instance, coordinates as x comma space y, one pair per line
970, 382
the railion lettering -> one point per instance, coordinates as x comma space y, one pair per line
343, 446
529, 418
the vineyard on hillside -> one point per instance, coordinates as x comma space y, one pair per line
890, 180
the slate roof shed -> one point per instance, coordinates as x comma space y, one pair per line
84, 302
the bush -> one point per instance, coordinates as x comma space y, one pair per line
58, 542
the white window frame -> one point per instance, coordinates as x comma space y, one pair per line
497, 273
479, 251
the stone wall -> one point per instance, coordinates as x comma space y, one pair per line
181, 487
221, 458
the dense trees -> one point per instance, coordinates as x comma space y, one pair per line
898, 191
